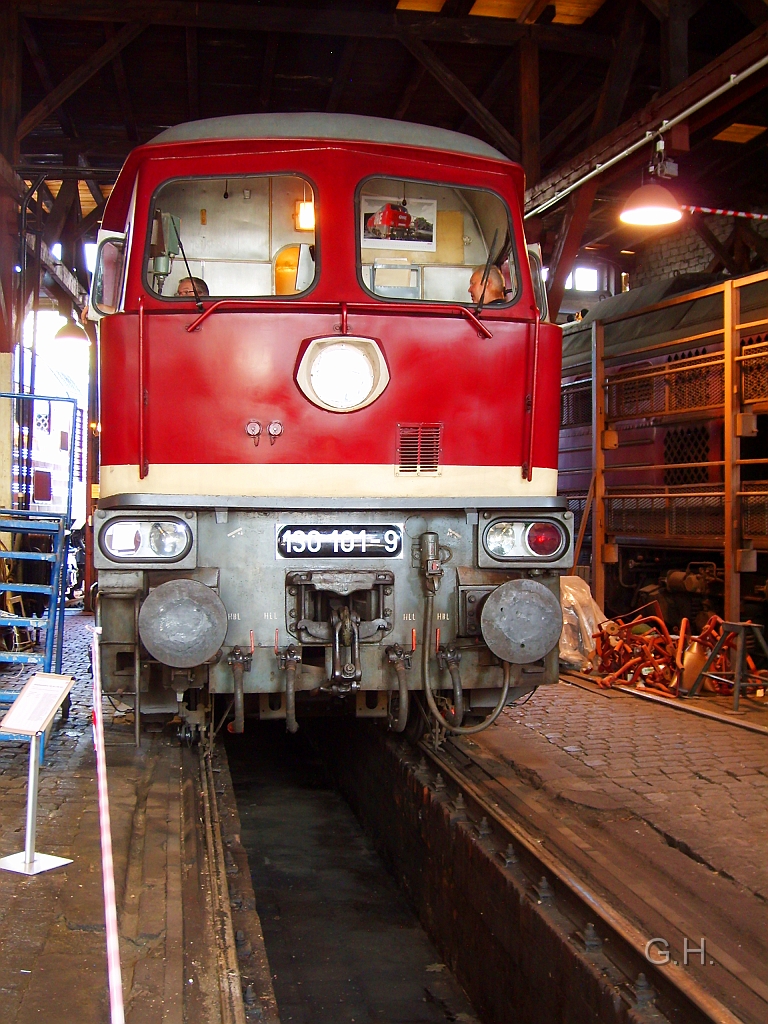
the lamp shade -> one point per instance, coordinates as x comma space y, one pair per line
71, 331
651, 205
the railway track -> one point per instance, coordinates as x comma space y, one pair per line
606, 912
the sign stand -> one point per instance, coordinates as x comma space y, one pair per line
30, 715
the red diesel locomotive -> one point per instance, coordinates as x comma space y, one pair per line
329, 477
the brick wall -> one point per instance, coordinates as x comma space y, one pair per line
681, 251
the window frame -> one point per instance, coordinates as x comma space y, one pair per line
418, 303
179, 299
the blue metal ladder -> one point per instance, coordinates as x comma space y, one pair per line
54, 526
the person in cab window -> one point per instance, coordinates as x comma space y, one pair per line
187, 285
492, 291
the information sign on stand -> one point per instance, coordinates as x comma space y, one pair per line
30, 715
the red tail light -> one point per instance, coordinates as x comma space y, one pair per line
544, 539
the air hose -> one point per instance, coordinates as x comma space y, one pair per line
462, 730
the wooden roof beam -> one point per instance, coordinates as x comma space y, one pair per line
504, 75
718, 72
50, 103
33, 48
456, 88
123, 93
327, 22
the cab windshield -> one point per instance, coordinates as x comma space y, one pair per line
235, 237
423, 242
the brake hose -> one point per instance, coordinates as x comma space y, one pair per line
462, 730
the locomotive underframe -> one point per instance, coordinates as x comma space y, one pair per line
282, 610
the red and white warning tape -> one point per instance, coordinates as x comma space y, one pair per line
726, 213
117, 1014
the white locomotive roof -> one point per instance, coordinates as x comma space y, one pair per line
328, 126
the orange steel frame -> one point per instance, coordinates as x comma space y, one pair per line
739, 555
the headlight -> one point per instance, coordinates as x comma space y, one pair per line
142, 540
520, 539
501, 539
342, 374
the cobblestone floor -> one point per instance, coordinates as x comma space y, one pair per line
700, 783
52, 937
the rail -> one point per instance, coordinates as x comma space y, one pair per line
683, 997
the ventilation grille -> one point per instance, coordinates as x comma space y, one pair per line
576, 405
754, 369
418, 450
686, 444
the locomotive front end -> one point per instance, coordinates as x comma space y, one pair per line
329, 475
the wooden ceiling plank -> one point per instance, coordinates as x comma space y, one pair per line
78, 78
268, 71
719, 71
193, 74
456, 88
568, 243
123, 93
36, 54
328, 22
341, 77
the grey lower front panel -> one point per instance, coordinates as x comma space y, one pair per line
278, 597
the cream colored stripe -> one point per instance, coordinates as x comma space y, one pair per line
307, 481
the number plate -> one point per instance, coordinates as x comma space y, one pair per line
340, 542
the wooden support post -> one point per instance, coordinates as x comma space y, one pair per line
732, 451
568, 243
78, 78
598, 462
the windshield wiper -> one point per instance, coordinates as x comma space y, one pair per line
198, 301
